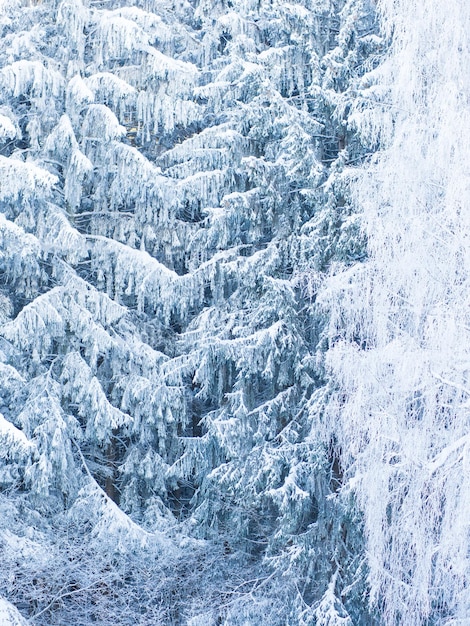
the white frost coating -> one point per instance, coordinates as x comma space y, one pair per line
79, 168
235, 24
158, 109
62, 140
9, 614
63, 145
201, 160
77, 307
103, 310
59, 237
204, 186
100, 124
330, 611
30, 77
85, 391
135, 179
78, 92
7, 128
113, 528
42, 419
133, 272
22, 179
180, 76
11, 378
129, 273
119, 38
25, 547
13, 442
403, 363
213, 143
77, 97
37, 324
99, 127
111, 90
154, 26
19, 257
72, 18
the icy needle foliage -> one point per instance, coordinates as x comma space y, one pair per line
174, 180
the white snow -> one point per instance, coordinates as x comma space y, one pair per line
402, 360
9, 615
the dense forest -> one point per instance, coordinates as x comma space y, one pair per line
234, 313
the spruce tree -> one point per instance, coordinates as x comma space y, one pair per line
174, 189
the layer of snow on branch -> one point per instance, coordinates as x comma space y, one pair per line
9, 615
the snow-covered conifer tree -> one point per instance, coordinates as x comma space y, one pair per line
174, 179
